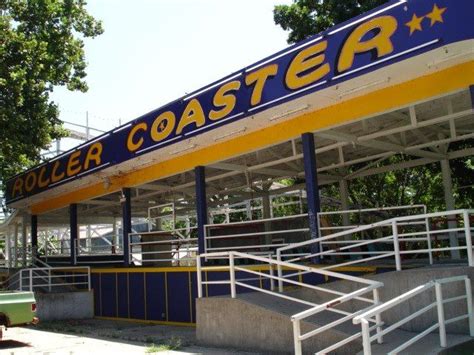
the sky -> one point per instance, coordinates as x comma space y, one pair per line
155, 51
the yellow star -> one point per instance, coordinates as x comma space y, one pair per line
415, 23
436, 14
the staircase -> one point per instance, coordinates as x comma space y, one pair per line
349, 313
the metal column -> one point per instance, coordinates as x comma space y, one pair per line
126, 223
73, 232
201, 206
24, 241
312, 188
449, 200
34, 235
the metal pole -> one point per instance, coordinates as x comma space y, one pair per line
73, 232
31, 280
467, 231
126, 201
280, 272
441, 320
201, 206
378, 317
296, 337
199, 276
272, 280
396, 246
49, 280
232, 275
88, 278
366, 337
312, 189
470, 312
20, 274
34, 235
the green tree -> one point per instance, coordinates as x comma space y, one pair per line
304, 18
41, 47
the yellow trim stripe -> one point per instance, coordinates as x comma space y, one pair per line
445, 81
134, 320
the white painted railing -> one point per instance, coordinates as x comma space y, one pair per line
264, 239
329, 306
51, 277
175, 246
439, 304
456, 226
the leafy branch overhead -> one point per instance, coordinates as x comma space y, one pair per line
41, 47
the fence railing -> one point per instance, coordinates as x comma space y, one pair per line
394, 238
176, 247
257, 236
439, 304
54, 277
338, 298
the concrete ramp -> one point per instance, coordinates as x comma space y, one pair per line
261, 322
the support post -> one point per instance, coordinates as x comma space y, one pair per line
34, 235
15, 245
441, 319
312, 189
449, 200
201, 206
73, 232
24, 242
126, 201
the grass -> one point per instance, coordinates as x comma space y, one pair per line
171, 344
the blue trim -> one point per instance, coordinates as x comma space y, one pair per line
126, 222
73, 231
201, 205
312, 188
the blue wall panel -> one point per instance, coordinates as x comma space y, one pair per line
95, 284
193, 276
179, 308
137, 295
122, 297
216, 290
155, 296
109, 295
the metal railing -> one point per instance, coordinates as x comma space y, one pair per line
261, 236
176, 246
339, 297
395, 238
439, 303
54, 277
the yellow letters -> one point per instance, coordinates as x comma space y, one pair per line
193, 113
131, 145
225, 100
54, 176
73, 164
30, 181
18, 187
93, 153
309, 58
41, 182
380, 42
259, 77
163, 125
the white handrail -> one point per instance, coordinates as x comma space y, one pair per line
27, 277
369, 285
439, 303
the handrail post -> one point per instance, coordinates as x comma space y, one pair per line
49, 280
441, 319
199, 276
31, 280
378, 317
366, 336
272, 274
296, 336
89, 278
467, 230
396, 246
428, 239
21, 279
280, 272
232, 275
470, 313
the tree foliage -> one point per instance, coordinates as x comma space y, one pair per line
41, 47
304, 18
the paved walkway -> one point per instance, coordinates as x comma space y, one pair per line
103, 337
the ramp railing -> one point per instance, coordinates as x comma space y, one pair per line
54, 277
337, 298
439, 304
442, 233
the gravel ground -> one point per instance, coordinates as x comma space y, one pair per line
104, 337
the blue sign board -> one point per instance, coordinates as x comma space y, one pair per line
386, 35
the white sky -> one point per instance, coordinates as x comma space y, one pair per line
154, 51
